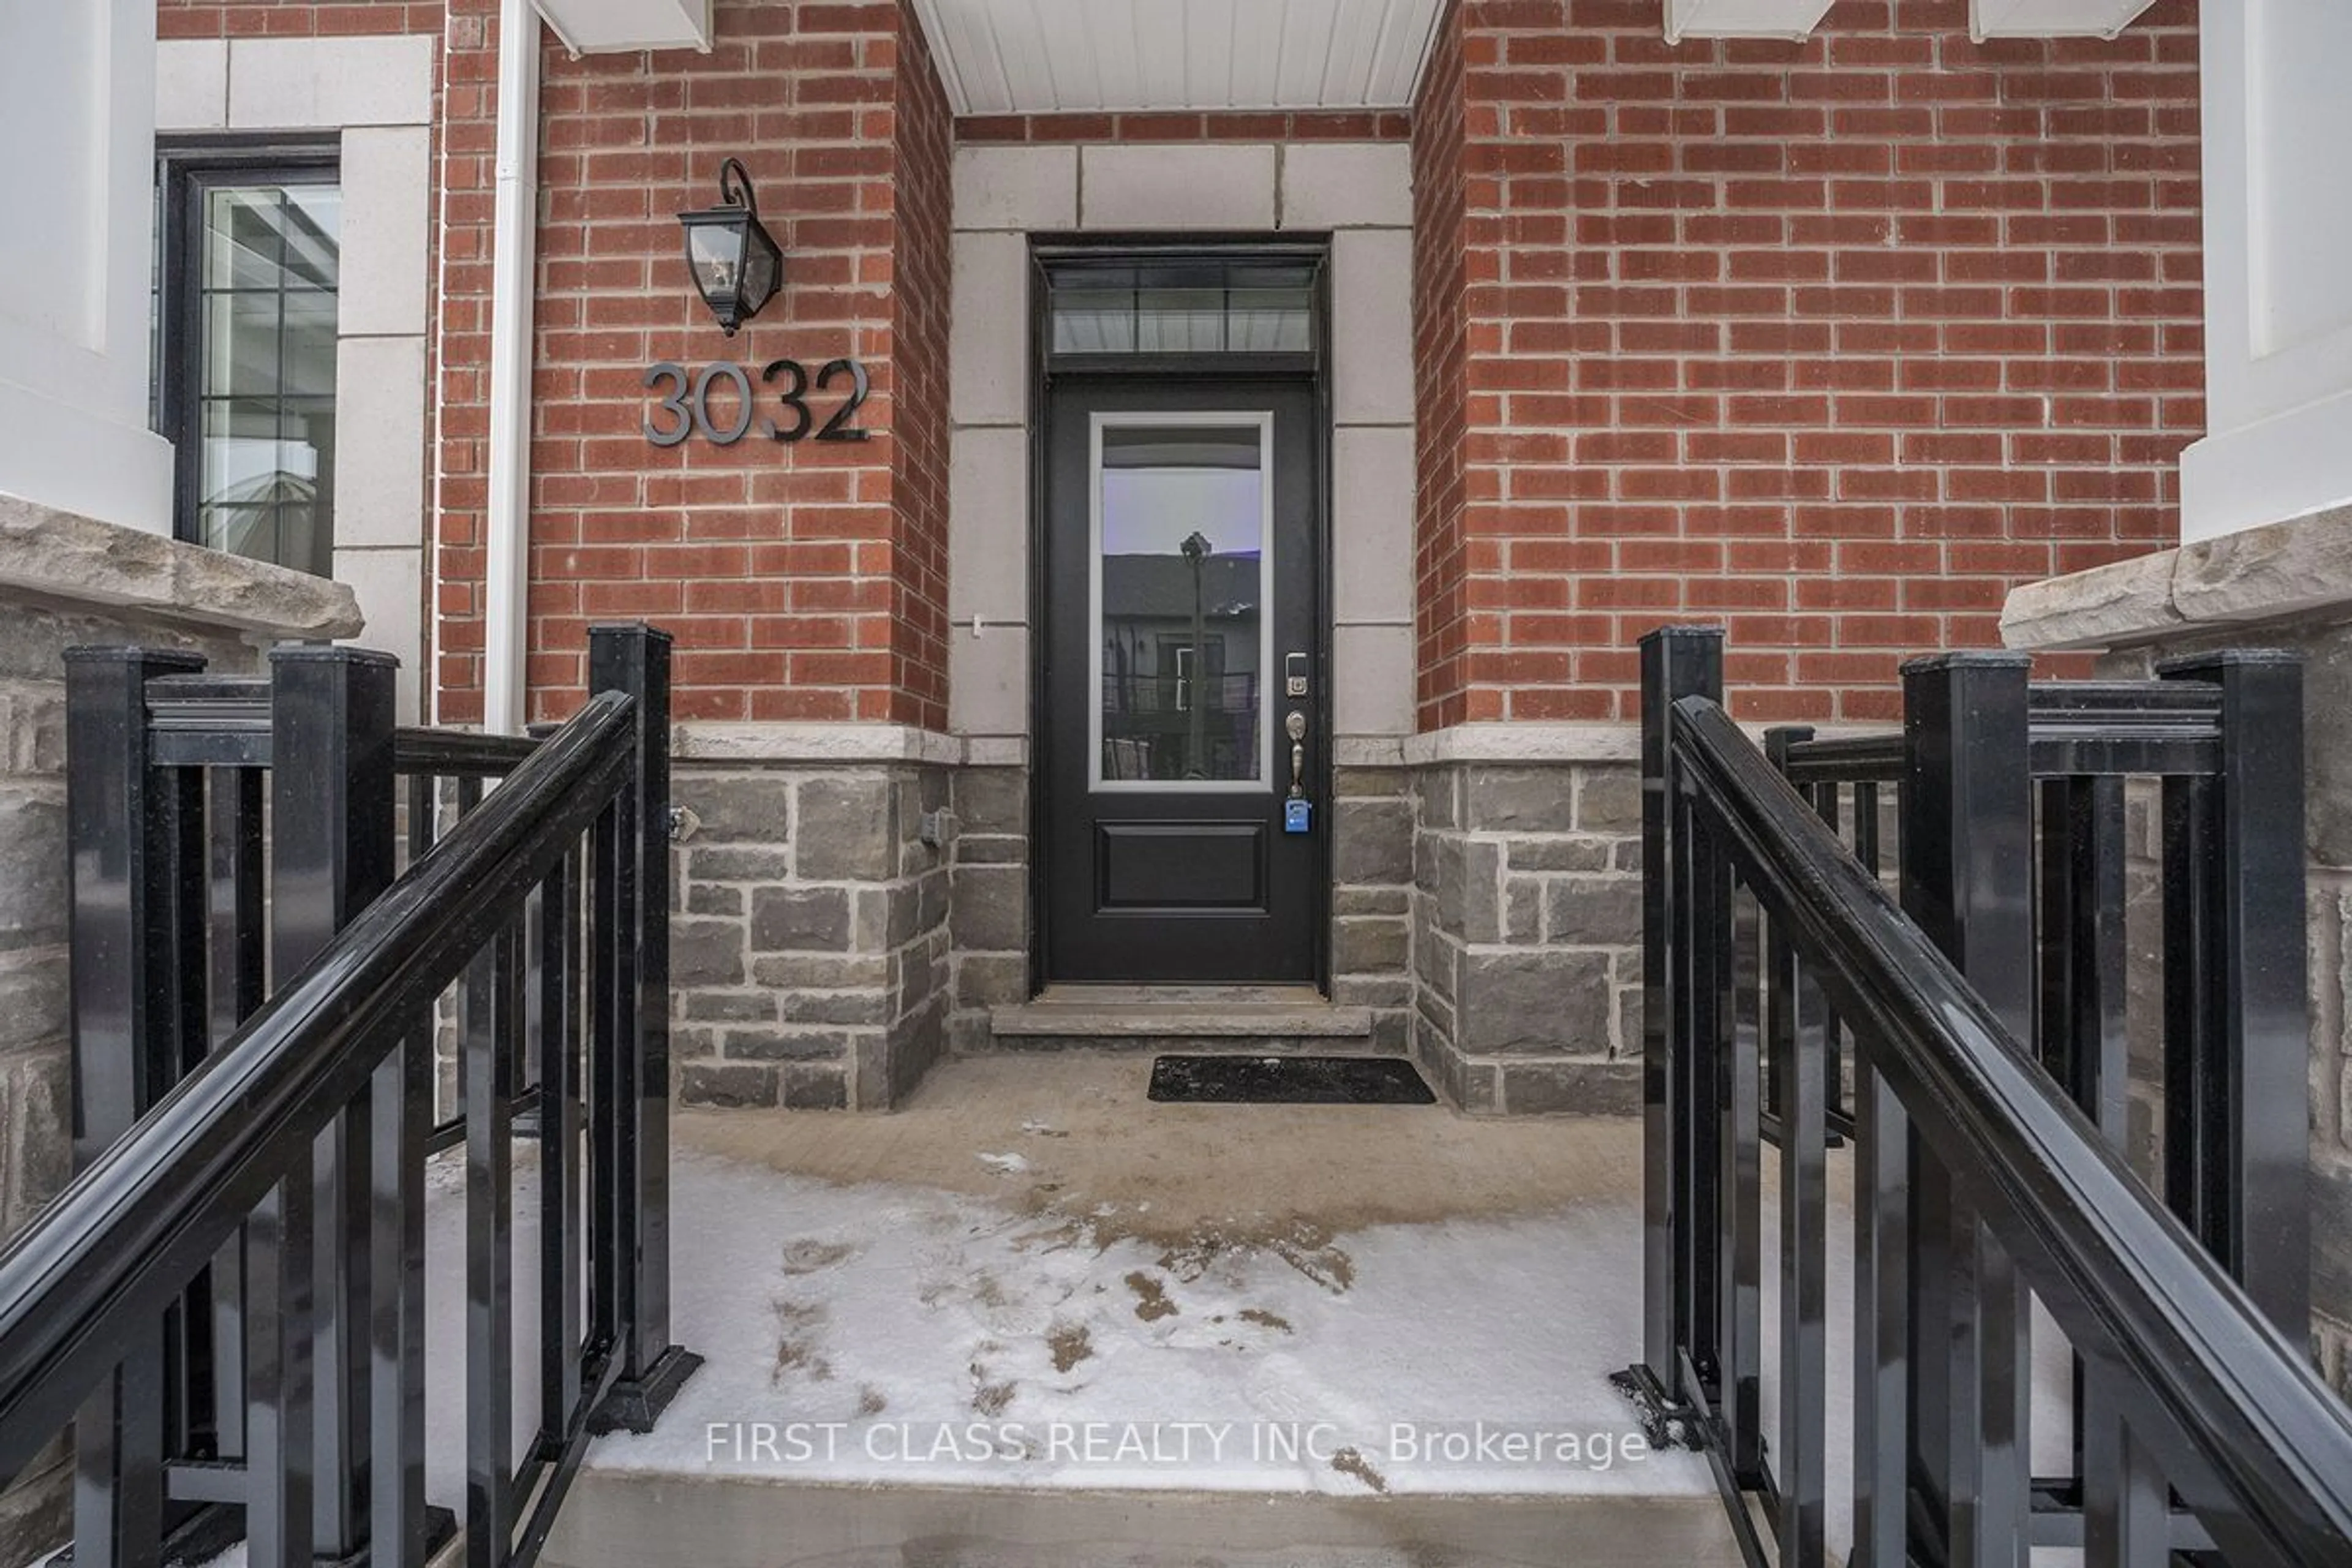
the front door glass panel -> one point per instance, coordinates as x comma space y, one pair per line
1182, 575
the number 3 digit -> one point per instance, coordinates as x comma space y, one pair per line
674, 400
794, 396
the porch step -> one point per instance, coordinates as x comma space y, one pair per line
620, 1520
1237, 1018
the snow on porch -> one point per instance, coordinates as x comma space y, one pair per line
1035, 1278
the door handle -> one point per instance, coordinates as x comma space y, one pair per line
1298, 814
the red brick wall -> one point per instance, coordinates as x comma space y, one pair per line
462, 302
1833, 341
921, 287
1440, 354
802, 581
1221, 125
806, 581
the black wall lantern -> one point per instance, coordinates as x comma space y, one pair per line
735, 263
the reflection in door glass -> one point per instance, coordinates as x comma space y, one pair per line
1179, 621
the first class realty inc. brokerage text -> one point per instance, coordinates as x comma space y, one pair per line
1171, 1443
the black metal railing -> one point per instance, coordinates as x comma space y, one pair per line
229, 1302
1980, 1184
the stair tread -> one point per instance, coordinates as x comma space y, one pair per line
1233, 1011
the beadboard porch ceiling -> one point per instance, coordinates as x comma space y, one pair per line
1044, 57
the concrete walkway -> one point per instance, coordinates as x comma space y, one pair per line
1036, 1319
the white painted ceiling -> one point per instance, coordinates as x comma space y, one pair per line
1042, 57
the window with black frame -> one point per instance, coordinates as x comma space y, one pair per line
248, 266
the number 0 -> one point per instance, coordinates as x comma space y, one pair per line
729, 371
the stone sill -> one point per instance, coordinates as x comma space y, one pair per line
2300, 567
64, 558
1541, 744
813, 744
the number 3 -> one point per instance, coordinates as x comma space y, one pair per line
794, 396
674, 401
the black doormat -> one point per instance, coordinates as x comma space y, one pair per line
1288, 1080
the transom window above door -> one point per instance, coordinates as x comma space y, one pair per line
1179, 305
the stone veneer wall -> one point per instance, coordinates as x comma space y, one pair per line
2285, 585
988, 899
68, 581
1371, 900
1527, 931
809, 947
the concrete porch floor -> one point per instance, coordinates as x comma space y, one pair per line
1036, 1319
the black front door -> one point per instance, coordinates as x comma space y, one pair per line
1182, 605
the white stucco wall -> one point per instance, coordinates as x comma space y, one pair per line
1361, 193
2278, 293
77, 178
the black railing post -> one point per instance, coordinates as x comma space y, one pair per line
332, 829
1676, 662
635, 659
135, 873
2086, 1044
1797, 1088
1778, 740
2237, 1049
1968, 880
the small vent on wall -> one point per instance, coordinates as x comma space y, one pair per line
2052, 18
1743, 18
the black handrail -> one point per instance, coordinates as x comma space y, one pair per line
2241, 1424
1982, 1175
236, 1275
2076, 728
132, 1229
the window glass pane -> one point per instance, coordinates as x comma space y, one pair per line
265, 323
240, 450
312, 230
1180, 614
1182, 308
241, 345
1094, 321
241, 529
308, 357
1180, 321
242, 243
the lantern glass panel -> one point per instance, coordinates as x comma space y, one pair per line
715, 250
760, 270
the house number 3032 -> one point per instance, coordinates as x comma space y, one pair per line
683, 402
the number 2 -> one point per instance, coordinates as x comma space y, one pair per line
838, 427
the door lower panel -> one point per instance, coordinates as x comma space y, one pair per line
1190, 865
